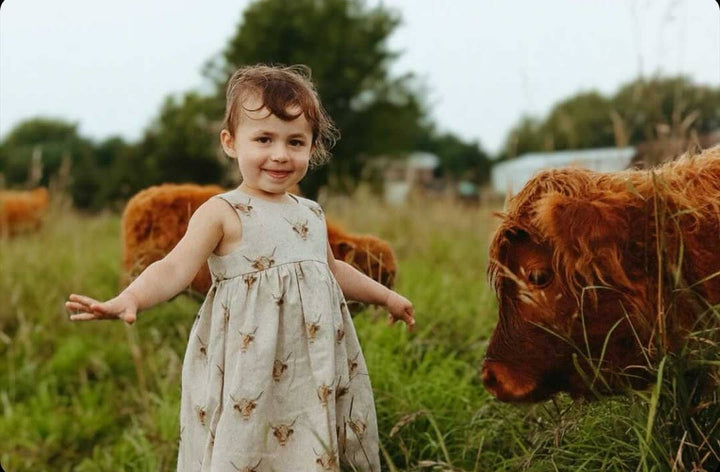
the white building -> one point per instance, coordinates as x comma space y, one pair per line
512, 175
402, 175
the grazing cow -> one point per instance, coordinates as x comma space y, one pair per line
368, 253
156, 218
22, 211
596, 273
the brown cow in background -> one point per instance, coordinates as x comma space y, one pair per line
22, 210
156, 218
607, 267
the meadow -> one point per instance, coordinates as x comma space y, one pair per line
105, 397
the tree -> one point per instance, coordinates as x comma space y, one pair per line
458, 159
641, 110
524, 137
580, 121
52, 142
182, 145
344, 43
98, 174
673, 105
50, 139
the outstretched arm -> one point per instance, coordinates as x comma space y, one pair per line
359, 287
163, 279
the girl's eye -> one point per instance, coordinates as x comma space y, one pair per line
297, 143
263, 139
540, 277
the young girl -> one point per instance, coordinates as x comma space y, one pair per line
273, 377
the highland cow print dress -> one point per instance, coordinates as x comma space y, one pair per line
273, 377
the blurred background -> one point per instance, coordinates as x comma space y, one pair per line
109, 99
444, 108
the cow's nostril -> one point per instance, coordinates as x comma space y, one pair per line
488, 378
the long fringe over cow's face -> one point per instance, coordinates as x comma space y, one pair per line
580, 265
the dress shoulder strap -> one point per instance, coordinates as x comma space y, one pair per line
311, 205
241, 203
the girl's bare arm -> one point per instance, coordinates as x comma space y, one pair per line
359, 287
165, 278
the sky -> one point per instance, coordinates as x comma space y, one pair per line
483, 64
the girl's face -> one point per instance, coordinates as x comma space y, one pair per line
273, 155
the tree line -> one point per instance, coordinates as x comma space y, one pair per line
640, 111
345, 44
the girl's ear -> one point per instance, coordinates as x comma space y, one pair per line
313, 149
228, 143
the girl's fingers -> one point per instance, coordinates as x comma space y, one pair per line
106, 308
409, 318
83, 317
75, 306
89, 309
86, 315
406, 316
82, 299
84, 312
81, 307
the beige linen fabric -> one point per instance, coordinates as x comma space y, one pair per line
273, 377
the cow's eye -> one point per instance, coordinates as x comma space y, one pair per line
540, 277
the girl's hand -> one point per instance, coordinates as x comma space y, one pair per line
400, 308
123, 307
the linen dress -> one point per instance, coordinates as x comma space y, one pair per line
273, 377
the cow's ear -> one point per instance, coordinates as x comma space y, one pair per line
582, 225
344, 251
589, 236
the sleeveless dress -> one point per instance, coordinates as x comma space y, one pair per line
273, 377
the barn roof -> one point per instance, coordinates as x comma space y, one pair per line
511, 175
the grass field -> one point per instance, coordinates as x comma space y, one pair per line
105, 397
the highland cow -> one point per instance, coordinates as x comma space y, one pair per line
22, 211
597, 273
368, 253
156, 218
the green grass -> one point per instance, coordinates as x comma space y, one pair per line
105, 397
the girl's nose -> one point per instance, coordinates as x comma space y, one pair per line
279, 154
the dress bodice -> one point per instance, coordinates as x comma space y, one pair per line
273, 234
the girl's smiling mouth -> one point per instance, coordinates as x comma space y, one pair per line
277, 174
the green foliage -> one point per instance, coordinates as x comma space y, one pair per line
57, 143
182, 145
675, 102
458, 159
639, 111
581, 119
41, 130
525, 137
50, 138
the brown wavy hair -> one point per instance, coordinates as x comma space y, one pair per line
281, 88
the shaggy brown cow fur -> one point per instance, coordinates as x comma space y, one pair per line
22, 211
370, 254
601, 270
156, 218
